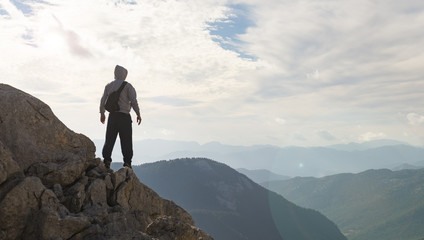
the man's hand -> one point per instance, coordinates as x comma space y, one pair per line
138, 119
102, 118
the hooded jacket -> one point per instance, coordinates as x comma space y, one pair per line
128, 97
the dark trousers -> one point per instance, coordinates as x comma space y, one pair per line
118, 122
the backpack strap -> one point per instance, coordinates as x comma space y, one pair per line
121, 87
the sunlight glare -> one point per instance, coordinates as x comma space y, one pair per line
53, 42
52, 38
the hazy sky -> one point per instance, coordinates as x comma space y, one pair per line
281, 72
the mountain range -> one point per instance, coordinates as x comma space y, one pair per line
286, 161
228, 205
261, 175
374, 204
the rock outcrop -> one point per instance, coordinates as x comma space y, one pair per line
53, 187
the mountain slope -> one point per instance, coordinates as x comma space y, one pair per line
375, 204
261, 175
228, 205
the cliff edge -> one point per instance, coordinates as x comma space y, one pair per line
53, 187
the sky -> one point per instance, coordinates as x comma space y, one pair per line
239, 72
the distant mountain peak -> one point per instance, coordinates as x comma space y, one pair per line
261, 175
354, 146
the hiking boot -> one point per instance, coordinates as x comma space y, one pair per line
128, 165
107, 164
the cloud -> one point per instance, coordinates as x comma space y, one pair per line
167, 132
335, 64
280, 121
369, 136
326, 136
415, 119
172, 101
313, 75
357, 44
167, 43
73, 40
225, 31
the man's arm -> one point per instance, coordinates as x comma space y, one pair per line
102, 118
134, 103
102, 106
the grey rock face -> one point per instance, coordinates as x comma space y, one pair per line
33, 134
169, 228
18, 205
53, 187
8, 167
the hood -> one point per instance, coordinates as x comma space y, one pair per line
120, 73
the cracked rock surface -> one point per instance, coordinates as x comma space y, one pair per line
53, 187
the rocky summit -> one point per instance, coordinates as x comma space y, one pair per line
53, 187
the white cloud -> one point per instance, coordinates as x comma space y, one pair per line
313, 75
415, 118
360, 44
367, 55
167, 132
281, 121
369, 136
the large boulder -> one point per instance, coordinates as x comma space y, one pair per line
53, 187
38, 141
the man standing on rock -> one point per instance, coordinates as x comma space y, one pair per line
119, 121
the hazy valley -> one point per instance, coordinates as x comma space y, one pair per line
375, 204
364, 204
228, 205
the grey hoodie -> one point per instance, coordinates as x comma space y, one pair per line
128, 97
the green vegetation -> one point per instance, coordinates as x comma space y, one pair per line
375, 204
